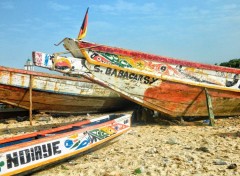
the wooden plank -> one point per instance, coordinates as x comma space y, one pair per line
209, 107
14, 104
30, 98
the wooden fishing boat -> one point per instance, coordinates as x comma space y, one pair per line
30, 151
57, 94
176, 88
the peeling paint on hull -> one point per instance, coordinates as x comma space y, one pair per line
170, 86
60, 94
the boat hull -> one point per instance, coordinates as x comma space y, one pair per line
57, 94
173, 87
24, 153
168, 97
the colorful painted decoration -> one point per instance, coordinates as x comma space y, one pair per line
26, 152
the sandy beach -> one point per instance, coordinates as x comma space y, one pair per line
148, 149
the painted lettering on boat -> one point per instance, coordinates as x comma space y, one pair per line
28, 155
126, 75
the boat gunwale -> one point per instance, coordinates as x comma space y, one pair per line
162, 77
152, 57
58, 136
65, 156
41, 74
34, 134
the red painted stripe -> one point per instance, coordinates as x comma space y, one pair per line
58, 136
151, 57
11, 139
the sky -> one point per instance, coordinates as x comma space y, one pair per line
200, 31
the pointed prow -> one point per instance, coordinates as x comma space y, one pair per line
83, 30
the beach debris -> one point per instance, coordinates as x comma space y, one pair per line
151, 150
113, 173
171, 141
232, 166
219, 162
207, 121
95, 156
64, 167
43, 117
7, 131
238, 134
165, 161
203, 149
72, 163
189, 158
188, 148
21, 119
139, 170
131, 132
11, 121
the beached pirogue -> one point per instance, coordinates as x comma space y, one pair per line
30, 151
173, 87
55, 93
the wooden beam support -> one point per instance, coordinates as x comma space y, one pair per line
30, 98
209, 107
14, 104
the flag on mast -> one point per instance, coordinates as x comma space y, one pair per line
83, 30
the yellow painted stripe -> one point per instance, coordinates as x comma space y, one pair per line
162, 77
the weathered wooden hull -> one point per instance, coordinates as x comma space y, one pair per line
23, 153
173, 87
58, 94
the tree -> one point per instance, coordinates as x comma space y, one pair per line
234, 63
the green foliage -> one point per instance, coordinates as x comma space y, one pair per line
234, 63
137, 171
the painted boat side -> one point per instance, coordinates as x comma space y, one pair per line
17, 139
166, 85
56, 93
61, 145
172, 98
169, 97
156, 58
62, 129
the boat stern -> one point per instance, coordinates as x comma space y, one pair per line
42, 59
59, 63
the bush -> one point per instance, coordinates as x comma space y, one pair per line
234, 63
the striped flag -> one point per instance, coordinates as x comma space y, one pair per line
83, 30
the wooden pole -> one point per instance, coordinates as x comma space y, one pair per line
30, 99
210, 108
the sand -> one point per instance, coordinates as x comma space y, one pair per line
149, 149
